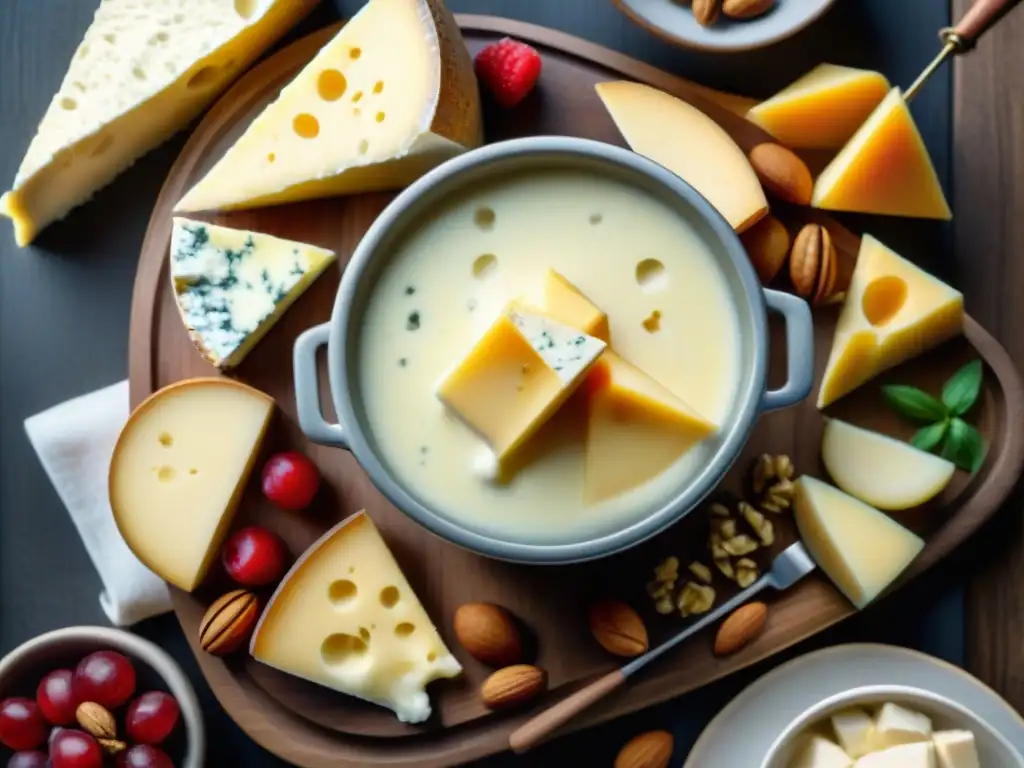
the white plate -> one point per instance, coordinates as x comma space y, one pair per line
742, 733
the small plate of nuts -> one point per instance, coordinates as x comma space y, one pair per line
723, 25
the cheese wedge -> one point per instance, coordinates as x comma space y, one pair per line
390, 97
179, 469
346, 618
687, 142
920, 755
823, 109
895, 725
861, 549
884, 168
819, 752
565, 303
855, 730
232, 285
636, 428
956, 749
141, 73
893, 311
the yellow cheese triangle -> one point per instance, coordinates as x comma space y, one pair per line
345, 617
884, 168
141, 73
893, 311
687, 142
822, 109
564, 302
389, 97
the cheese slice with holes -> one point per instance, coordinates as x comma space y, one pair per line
391, 96
893, 311
178, 470
142, 72
345, 617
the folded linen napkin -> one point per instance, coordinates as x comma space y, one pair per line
74, 441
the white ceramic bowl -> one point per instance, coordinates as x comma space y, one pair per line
22, 668
994, 751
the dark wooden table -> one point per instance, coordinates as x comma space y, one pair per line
64, 314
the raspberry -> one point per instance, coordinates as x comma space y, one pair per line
509, 69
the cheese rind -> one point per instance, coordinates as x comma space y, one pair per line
854, 728
345, 617
565, 303
895, 725
141, 73
687, 142
179, 469
919, 755
232, 285
392, 95
956, 749
819, 752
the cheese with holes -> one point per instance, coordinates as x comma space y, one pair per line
893, 311
819, 752
854, 728
895, 725
345, 617
956, 749
861, 549
565, 303
179, 469
879, 470
690, 144
636, 429
517, 375
822, 109
143, 71
232, 285
920, 755
389, 97
884, 168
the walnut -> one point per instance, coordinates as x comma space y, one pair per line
701, 571
746, 572
664, 605
666, 573
695, 599
667, 570
724, 564
772, 482
779, 497
762, 527
719, 510
740, 545
724, 527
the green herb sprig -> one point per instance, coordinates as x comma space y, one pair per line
944, 428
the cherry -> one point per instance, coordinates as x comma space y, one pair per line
56, 698
254, 556
143, 756
290, 480
21, 724
151, 717
32, 759
106, 678
75, 749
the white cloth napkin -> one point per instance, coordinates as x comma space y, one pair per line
74, 441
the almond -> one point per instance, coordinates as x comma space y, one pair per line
706, 11
618, 628
228, 622
782, 173
767, 244
489, 633
813, 264
746, 9
742, 626
513, 685
96, 720
648, 750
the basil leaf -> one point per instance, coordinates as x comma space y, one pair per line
961, 391
914, 404
927, 438
964, 446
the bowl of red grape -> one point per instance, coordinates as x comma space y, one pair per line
94, 697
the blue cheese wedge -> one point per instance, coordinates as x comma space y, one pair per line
232, 285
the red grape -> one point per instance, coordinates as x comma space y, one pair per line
27, 760
56, 698
254, 556
151, 717
106, 678
21, 724
75, 749
143, 756
290, 480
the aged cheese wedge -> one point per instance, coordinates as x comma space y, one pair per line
854, 729
232, 285
861, 549
895, 725
893, 311
179, 469
884, 168
920, 755
141, 73
822, 109
390, 97
636, 428
956, 749
345, 617
565, 303
879, 470
819, 752
690, 144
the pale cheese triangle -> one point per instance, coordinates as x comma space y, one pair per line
392, 95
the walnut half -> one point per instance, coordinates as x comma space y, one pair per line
695, 599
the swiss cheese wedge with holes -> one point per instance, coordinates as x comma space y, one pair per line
345, 617
142, 72
389, 97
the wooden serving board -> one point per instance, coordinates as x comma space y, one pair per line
312, 726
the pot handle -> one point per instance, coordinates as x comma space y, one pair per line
307, 389
799, 350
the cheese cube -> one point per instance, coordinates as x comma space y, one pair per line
565, 303
178, 470
861, 549
143, 71
884, 168
517, 375
819, 752
627, 407
346, 618
392, 95
895, 725
687, 142
822, 109
919, 755
854, 729
232, 285
956, 749
893, 311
